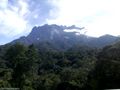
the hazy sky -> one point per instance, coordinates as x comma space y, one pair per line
17, 17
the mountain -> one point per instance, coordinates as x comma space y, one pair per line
104, 40
77, 68
55, 36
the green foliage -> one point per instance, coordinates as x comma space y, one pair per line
48, 70
15, 55
107, 70
5, 77
48, 81
28, 68
23, 61
76, 77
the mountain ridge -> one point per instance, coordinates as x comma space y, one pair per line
57, 37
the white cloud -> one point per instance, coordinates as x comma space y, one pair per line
12, 18
97, 16
3, 4
23, 7
17, 17
13, 23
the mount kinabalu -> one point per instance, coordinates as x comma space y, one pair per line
55, 36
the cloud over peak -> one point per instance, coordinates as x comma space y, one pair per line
17, 17
99, 17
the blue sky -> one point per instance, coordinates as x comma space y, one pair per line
99, 17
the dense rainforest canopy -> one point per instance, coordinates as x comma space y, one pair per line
78, 68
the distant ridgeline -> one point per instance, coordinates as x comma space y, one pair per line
56, 37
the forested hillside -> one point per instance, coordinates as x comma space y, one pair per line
78, 68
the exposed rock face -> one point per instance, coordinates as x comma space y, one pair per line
57, 37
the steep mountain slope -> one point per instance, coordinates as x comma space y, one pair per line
54, 36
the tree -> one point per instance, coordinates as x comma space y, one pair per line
5, 77
15, 55
107, 70
22, 60
30, 67
47, 82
